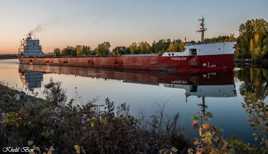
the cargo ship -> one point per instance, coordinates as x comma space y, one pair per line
196, 58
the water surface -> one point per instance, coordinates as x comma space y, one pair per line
230, 97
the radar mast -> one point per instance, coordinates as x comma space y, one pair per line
202, 29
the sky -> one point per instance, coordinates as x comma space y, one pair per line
90, 22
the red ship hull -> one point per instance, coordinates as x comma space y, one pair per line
174, 64
152, 78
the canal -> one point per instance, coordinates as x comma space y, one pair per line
236, 102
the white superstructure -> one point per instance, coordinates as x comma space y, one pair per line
31, 47
204, 49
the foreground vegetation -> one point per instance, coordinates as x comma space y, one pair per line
51, 125
56, 125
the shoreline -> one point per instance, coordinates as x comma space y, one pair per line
15, 95
8, 56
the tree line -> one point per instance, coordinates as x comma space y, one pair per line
104, 49
156, 47
221, 38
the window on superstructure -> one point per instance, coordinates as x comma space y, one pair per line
193, 51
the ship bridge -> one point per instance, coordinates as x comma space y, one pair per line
220, 48
31, 47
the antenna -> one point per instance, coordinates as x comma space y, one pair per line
202, 28
30, 35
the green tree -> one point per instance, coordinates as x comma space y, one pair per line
57, 52
134, 48
221, 38
145, 47
161, 46
253, 39
176, 46
103, 49
121, 50
86, 51
69, 51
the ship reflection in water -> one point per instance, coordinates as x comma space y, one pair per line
198, 98
201, 85
31, 79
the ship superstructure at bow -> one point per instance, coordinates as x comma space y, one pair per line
30, 47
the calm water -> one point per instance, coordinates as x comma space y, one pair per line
230, 97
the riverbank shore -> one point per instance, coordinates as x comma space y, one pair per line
9, 95
8, 56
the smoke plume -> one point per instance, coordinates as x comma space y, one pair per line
37, 29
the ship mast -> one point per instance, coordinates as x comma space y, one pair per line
202, 29
203, 111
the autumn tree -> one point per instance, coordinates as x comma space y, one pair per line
78, 50
253, 40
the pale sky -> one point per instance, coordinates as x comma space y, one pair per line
89, 22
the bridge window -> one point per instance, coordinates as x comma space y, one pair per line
193, 51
